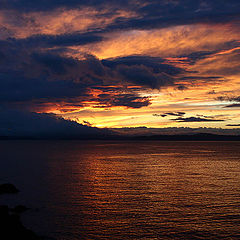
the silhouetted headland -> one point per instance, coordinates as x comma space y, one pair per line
10, 222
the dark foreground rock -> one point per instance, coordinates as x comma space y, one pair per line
19, 209
8, 188
11, 227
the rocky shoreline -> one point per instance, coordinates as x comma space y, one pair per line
10, 222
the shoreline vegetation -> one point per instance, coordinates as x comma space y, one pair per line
10, 219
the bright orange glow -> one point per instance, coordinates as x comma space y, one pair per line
213, 71
168, 42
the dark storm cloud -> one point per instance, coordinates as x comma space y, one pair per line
237, 105
33, 76
127, 100
143, 76
149, 14
157, 64
26, 124
27, 77
182, 87
35, 71
233, 125
169, 114
196, 119
211, 92
159, 115
202, 79
62, 40
161, 14
45, 5
146, 71
16, 88
175, 113
230, 99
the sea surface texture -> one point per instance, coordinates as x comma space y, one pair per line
125, 190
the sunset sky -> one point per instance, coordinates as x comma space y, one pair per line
156, 63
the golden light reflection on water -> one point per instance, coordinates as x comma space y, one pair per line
154, 190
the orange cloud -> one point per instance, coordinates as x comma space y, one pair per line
60, 21
167, 42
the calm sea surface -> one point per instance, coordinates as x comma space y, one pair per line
125, 190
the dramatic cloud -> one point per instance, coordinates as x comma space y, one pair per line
26, 124
36, 79
25, 5
169, 114
127, 100
128, 59
169, 10
196, 119
62, 40
158, 65
230, 99
233, 125
237, 105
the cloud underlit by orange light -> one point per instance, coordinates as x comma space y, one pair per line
122, 64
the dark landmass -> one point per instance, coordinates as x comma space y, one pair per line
195, 137
185, 137
8, 188
59, 137
10, 222
145, 131
12, 228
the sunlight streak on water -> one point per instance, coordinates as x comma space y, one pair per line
134, 190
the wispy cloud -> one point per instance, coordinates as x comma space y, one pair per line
197, 119
169, 114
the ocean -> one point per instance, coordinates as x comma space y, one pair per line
125, 189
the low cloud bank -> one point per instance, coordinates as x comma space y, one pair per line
15, 123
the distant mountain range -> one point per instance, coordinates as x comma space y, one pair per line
189, 137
